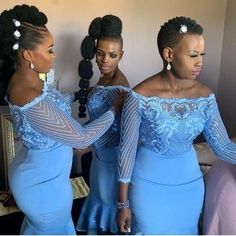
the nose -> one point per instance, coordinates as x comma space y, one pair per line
199, 61
54, 56
105, 58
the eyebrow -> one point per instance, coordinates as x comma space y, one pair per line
196, 52
98, 49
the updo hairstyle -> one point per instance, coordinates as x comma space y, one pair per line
30, 27
107, 26
171, 32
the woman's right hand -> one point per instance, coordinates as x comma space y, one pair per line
124, 220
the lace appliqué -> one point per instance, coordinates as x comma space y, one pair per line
102, 99
167, 123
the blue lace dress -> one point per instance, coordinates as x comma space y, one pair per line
39, 174
98, 213
157, 158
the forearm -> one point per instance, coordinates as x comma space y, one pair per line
123, 192
124, 211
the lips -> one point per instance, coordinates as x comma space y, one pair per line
196, 73
102, 67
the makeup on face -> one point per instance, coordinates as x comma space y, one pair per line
101, 53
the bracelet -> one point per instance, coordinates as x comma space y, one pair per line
121, 205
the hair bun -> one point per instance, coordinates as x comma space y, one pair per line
88, 48
95, 28
111, 26
30, 14
85, 69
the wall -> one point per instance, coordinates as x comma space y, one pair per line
227, 81
69, 21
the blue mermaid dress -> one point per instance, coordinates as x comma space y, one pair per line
157, 159
39, 174
98, 213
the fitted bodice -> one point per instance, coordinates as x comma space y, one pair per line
100, 100
31, 137
46, 122
168, 126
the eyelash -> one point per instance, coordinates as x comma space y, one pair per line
202, 54
100, 54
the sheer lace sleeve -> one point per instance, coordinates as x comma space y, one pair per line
130, 123
217, 137
50, 120
104, 98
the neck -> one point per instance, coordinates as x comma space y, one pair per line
170, 80
107, 78
28, 76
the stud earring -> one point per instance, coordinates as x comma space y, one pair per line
168, 66
31, 65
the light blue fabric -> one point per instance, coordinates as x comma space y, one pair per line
156, 156
39, 174
166, 194
99, 210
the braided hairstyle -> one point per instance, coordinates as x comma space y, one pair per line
170, 33
30, 28
107, 26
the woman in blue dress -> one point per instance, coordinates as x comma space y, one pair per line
160, 182
98, 214
39, 174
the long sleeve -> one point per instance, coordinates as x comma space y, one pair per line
217, 137
109, 95
49, 119
130, 123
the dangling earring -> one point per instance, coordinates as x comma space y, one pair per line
31, 65
168, 66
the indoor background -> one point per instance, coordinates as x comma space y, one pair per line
69, 21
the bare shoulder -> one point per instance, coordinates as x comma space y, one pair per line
203, 90
146, 87
120, 79
22, 95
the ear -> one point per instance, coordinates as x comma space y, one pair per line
121, 54
27, 55
167, 54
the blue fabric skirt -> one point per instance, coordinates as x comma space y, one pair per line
166, 193
98, 213
39, 181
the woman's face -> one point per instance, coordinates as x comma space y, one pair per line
43, 55
108, 54
187, 58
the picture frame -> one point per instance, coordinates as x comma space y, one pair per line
7, 146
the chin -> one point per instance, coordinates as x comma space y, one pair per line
193, 77
105, 72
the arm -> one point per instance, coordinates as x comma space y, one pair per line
127, 152
116, 97
216, 135
124, 213
46, 118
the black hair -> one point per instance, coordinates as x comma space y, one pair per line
170, 33
109, 26
31, 29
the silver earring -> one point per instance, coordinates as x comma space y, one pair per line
168, 66
31, 65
